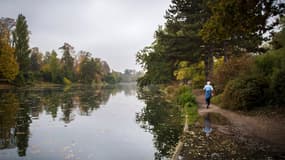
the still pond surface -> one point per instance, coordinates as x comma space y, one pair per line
82, 123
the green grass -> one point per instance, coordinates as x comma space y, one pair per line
186, 99
192, 113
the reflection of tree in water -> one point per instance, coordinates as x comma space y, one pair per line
162, 119
17, 108
129, 88
15, 122
90, 98
23, 121
51, 100
67, 107
9, 106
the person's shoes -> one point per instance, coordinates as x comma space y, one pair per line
207, 106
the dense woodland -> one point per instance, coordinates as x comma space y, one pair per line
239, 45
21, 65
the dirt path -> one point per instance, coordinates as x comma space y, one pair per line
271, 130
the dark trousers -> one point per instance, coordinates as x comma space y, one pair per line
208, 101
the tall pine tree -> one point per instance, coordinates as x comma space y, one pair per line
21, 44
67, 61
178, 40
181, 36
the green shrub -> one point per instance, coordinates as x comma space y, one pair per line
185, 96
234, 68
271, 66
265, 64
66, 81
244, 93
217, 99
186, 99
198, 81
278, 86
192, 113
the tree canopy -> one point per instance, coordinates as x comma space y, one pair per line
197, 31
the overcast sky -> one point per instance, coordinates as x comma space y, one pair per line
113, 30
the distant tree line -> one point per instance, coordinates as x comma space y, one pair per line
130, 75
20, 64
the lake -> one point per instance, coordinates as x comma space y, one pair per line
84, 122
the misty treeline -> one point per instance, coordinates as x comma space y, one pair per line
236, 44
20, 64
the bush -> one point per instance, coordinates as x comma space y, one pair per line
198, 81
66, 81
271, 66
278, 86
234, 68
185, 97
244, 93
217, 99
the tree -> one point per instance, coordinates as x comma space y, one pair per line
184, 21
158, 68
179, 40
278, 40
240, 25
9, 67
67, 61
83, 55
21, 44
36, 59
55, 68
105, 68
98, 70
88, 70
51, 69
45, 70
7, 24
183, 73
113, 77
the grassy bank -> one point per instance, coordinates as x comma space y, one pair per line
182, 95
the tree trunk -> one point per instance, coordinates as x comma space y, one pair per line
227, 51
209, 65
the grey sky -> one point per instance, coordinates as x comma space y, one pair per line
113, 30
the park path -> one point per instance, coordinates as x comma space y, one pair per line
271, 130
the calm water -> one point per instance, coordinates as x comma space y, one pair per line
87, 123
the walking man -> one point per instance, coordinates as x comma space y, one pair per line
208, 88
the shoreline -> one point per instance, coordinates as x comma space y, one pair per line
242, 136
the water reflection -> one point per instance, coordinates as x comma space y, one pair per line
207, 125
162, 119
23, 121
19, 108
8, 120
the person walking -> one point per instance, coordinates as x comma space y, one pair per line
208, 88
